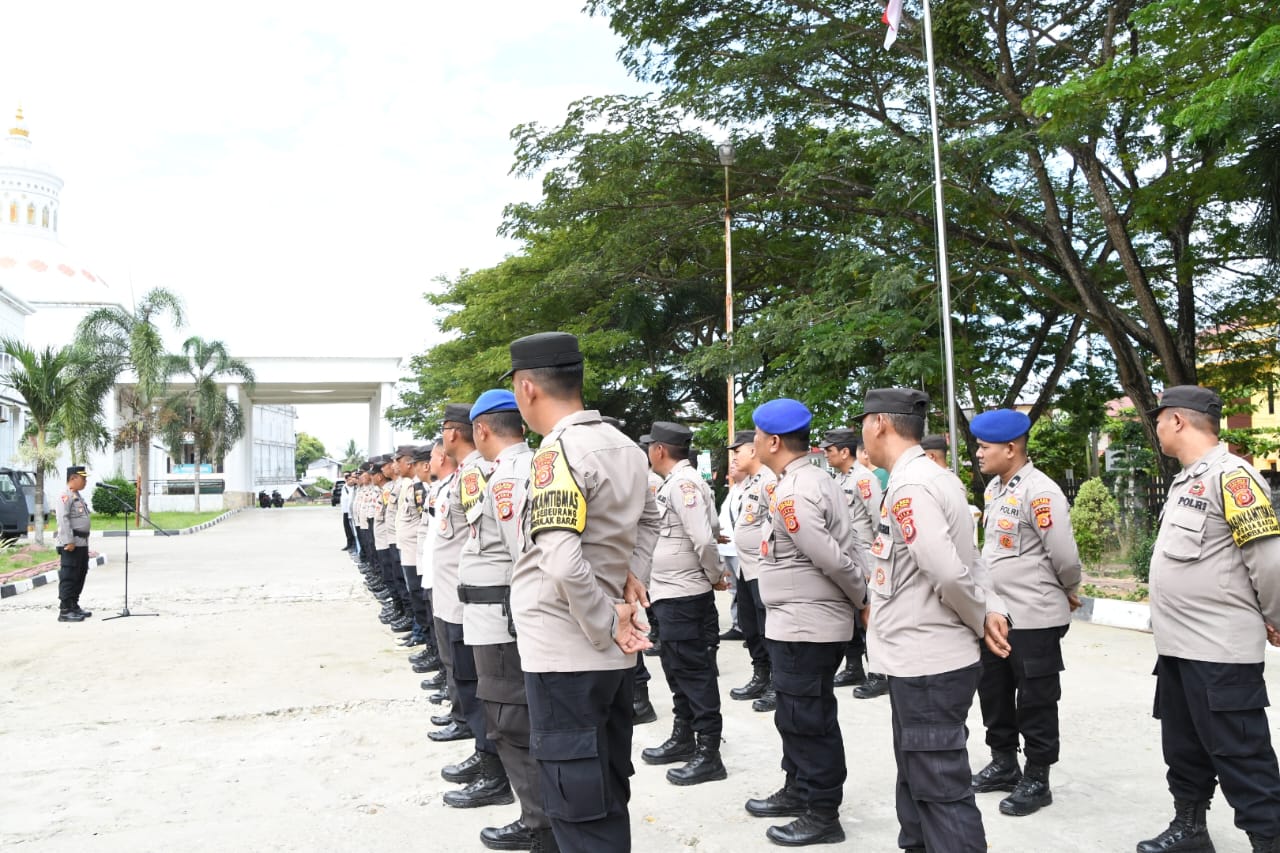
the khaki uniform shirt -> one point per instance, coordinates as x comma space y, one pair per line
1215, 570
686, 560
862, 493
810, 582
757, 493
930, 594
364, 505
392, 492
487, 558
1029, 550
426, 494
451, 534
381, 535
72, 515
588, 518
408, 516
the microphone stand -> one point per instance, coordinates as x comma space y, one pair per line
120, 502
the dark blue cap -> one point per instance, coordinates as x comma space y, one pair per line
1000, 426
493, 400
781, 416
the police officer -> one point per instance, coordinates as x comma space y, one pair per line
686, 568
1215, 598
929, 606
391, 500
443, 471
72, 541
589, 519
757, 490
1031, 555
642, 710
421, 495
812, 586
935, 447
484, 588
395, 614
862, 493
408, 517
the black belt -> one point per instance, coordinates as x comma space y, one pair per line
484, 594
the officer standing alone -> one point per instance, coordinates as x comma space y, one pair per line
1031, 555
1215, 600
72, 540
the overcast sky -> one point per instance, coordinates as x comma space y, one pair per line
288, 168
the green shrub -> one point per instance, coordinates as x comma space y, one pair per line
1093, 518
104, 501
1140, 556
324, 484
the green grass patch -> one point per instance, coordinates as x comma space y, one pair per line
23, 556
163, 520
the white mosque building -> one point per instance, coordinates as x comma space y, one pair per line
46, 289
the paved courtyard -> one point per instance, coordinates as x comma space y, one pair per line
265, 708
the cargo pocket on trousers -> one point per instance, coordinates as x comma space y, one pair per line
803, 716
936, 763
570, 772
1041, 686
1237, 723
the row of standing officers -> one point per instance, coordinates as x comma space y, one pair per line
527, 574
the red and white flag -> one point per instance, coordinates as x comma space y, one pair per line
892, 16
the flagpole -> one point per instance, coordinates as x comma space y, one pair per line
944, 283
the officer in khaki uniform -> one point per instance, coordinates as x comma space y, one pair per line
1031, 555
1215, 599
391, 500
396, 612
757, 490
686, 568
862, 492
72, 541
931, 604
484, 588
812, 585
422, 497
588, 519
408, 517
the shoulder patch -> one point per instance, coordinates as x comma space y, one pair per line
555, 500
1247, 508
1043, 511
864, 488
787, 509
689, 493
503, 499
903, 515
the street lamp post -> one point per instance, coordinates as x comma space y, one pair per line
726, 154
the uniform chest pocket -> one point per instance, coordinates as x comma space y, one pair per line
884, 580
666, 519
1008, 540
1184, 539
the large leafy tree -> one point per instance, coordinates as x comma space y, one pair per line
203, 417
130, 344
307, 450
47, 381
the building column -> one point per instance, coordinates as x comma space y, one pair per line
238, 467
375, 423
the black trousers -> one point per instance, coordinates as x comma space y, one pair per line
751, 621
1019, 694
642, 675
460, 669
812, 746
581, 740
417, 599
935, 804
686, 662
367, 552
1213, 724
73, 568
506, 716
346, 531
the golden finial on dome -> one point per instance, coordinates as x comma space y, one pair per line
19, 129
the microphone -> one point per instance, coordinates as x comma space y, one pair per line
106, 486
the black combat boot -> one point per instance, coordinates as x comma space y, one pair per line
1002, 774
435, 682
679, 747
513, 836
1187, 832
768, 701
754, 688
641, 708
1263, 844
851, 674
781, 803
491, 789
815, 826
1030, 794
875, 685
465, 771
705, 766
451, 732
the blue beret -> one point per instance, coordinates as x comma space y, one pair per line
781, 416
493, 400
1000, 426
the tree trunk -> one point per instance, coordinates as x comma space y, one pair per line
37, 518
197, 450
144, 477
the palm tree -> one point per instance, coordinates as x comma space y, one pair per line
203, 415
353, 455
47, 382
122, 340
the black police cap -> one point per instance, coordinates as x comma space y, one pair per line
458, 413
842, 437
741, 437
545, 349
666, 432
895, 401
1193, 397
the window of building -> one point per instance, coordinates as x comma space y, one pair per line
13, 212
31, 214
44, 217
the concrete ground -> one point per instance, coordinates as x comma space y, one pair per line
265, 708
